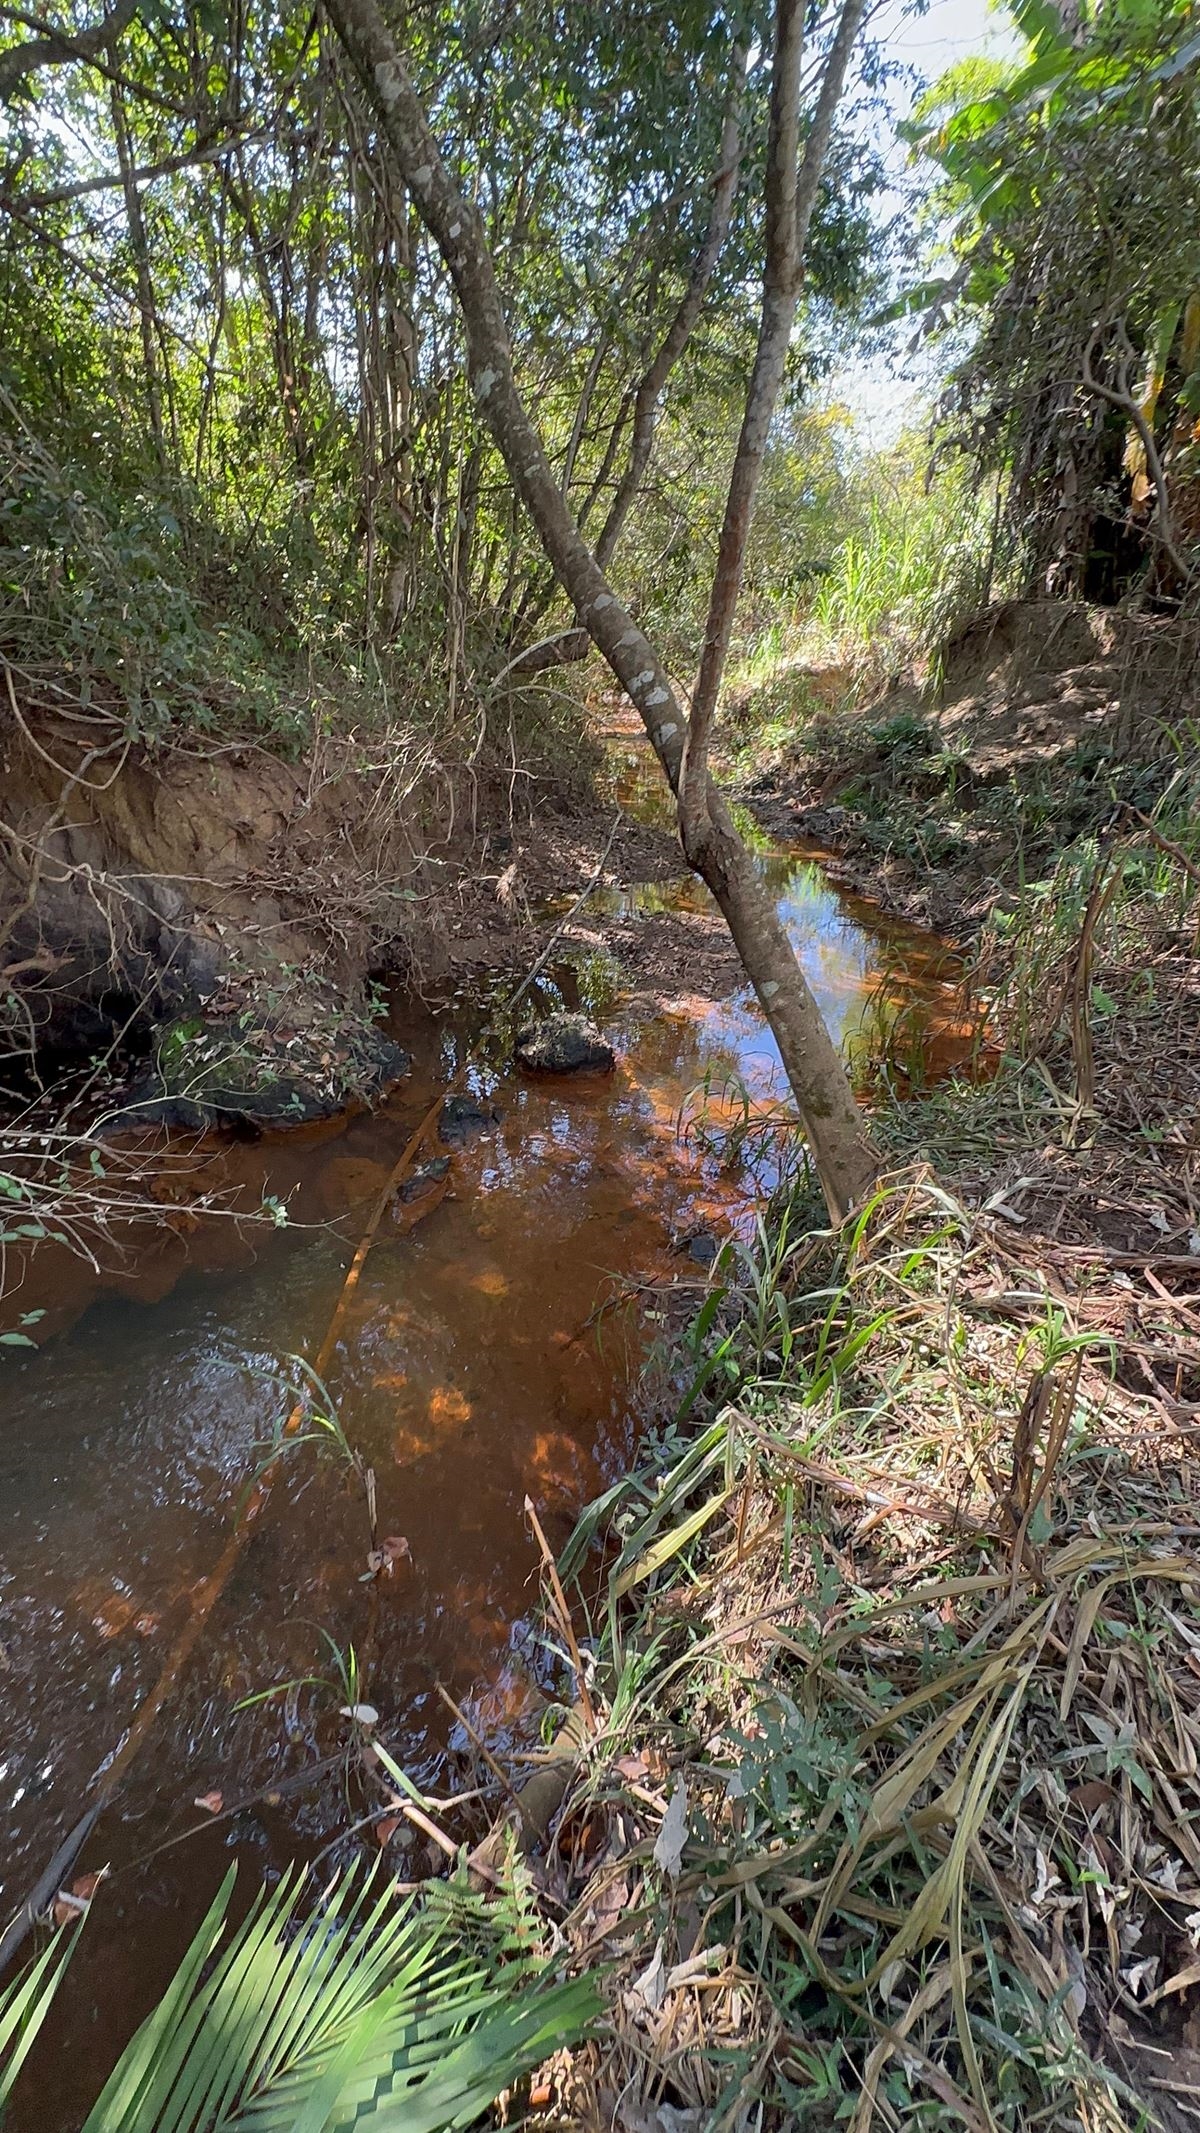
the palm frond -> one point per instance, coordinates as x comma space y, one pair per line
24, 2005
363, 2009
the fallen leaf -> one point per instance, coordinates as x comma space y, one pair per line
1139, 1979
668, 1851
211, 1802
1092, 1795
1047, 1876
1182, 1981
695, 1966
382, 1561
70, 1904
609, 1908
386, 1830
633, 1766
649, 1989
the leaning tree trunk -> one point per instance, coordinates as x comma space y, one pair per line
842, 1153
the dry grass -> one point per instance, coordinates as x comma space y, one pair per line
921, 1654
891, 1813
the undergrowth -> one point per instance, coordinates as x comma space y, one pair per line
884, 1814
888, 1814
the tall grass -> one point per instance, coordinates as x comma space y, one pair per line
865, 1601
922, 562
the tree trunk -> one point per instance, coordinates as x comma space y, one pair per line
790, 198
140, 248
571, 645
841, 1151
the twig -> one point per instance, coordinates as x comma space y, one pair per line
1167, 844
46, 1888
564, 1615
480, 1746
209, 1591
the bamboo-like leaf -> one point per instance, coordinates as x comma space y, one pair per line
669, 1544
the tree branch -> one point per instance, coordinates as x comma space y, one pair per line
683, 325
571, 645
1128, 406
56, 48
143, 173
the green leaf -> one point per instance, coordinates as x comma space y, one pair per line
24, 2005
363, 2008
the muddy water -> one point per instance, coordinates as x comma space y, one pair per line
481, 1363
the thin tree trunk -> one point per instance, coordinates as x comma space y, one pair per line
683, 325
139, 246
841, 1151
790, 198
575, 644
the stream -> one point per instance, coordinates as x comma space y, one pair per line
480, 1363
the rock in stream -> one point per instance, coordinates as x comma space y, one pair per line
564, 1044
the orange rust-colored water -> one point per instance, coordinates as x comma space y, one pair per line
479, 1363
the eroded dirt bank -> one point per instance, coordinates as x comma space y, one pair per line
1042, 720
214, 915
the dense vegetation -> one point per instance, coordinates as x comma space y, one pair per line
237, 436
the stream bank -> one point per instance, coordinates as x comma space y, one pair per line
498, 1347
528, 1337
939, 797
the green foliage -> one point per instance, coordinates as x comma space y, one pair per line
25, 2003
356, 2008
921, 561
240, 468
1071, 181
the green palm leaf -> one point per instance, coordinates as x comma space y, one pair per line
366, 2009
24, 2005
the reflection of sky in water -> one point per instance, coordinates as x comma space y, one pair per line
863, 971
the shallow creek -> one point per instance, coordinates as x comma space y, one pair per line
478, 1366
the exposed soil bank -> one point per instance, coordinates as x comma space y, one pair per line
1043, 719
207, 919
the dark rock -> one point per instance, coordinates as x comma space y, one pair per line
564, 1044
699, 1245
462, 1118
384, 1065
425, 1178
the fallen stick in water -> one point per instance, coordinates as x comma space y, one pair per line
208, 1592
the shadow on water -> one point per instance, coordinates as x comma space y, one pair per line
478, 1365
